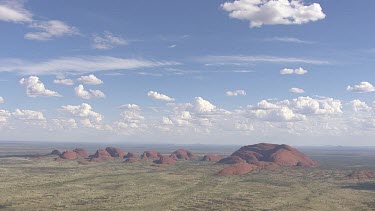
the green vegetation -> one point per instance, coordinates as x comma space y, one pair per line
44, 184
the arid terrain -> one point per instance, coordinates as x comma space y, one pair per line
29, 182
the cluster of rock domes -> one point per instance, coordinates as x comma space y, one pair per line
242, 161
258, 156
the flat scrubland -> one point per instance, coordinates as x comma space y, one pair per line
28, 183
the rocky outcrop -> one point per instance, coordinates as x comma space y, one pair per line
183, 154
81, 152
152, 155
55, 152
69, 155
100, 154
131, 155
115, 152
165, 160
213, 158
260, 154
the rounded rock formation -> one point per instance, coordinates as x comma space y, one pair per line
81, 152
260, 154
69, 155
101, 154
237, 169
183, 154
165, 160
131, 155
115, 152
131, 160
150, 154
55, 152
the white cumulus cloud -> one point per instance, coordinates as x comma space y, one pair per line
35, 88
90, 80
158, 96
82, 93
288, 71
273, 12
362, 87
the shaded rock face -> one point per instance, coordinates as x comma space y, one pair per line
183, 154
115, 152
152, 155
260, 154
82, 153
131, 155
101, 154
56, 152
237, 169
213, 158
165, 160
69, 155
361, 175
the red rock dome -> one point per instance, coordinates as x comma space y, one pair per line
69, 155
165, 160
183, 154
150, 154
81, 152
115, 152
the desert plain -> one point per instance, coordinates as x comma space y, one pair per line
30, 182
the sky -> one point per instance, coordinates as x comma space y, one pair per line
188, 72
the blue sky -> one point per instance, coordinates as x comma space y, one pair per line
213, 72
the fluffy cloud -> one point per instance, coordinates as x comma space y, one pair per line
130, 119
298, 71
362, 87
82, 93
90, 79
358, 106
273, 12
35, 88
201, 105
296, 90
50, 29
68, 82
13, 11
107, 41
74, 65
1, 100
235, 93
4, 116
86, 115
273, 112
158, 96
65, 123
308, 105
28, 115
